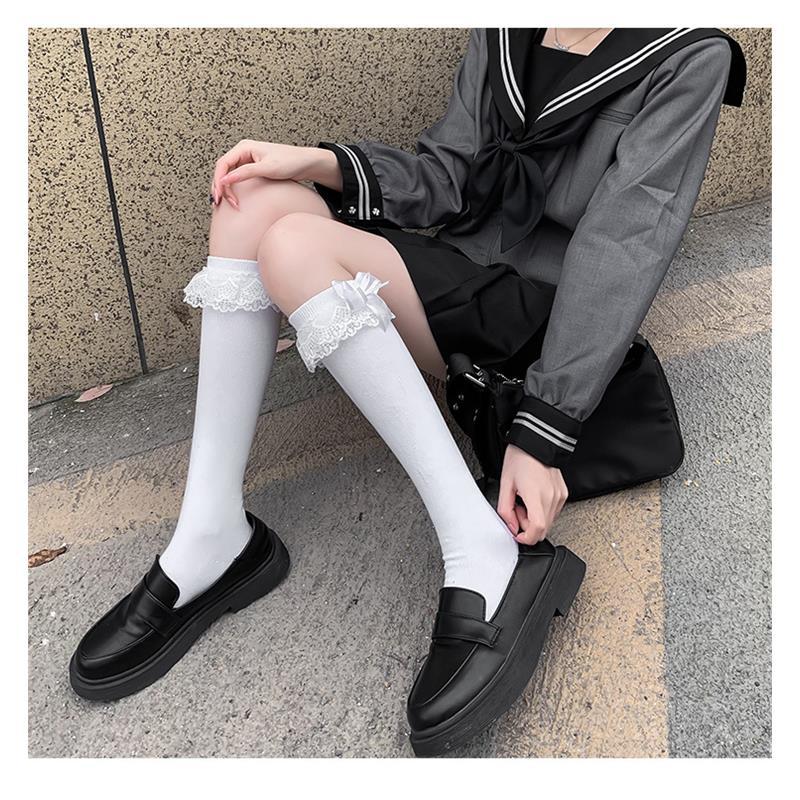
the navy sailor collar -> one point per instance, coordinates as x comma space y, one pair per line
624, 56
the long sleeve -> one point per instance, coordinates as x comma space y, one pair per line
621, 248
385, 184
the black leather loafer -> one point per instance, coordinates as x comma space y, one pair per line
476, 669
143, 636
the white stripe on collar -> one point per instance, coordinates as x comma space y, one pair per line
612, 72
507, 71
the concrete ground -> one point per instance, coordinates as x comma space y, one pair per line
666, 650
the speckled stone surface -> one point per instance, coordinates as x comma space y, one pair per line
79, 318
740, 166
174, 100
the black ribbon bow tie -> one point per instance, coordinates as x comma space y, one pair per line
510, 166
506, 165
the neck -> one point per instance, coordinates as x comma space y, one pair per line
578, 40
578, 32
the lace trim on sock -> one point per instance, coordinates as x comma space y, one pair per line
346, 308
227, 290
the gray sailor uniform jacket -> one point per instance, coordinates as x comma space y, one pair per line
615, 198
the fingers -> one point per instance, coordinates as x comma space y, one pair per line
559, 496
226, 182
535, 531
240, 174
505, 506
228, 194
562, 496
522, 515
542, 493
237, 155
533, 516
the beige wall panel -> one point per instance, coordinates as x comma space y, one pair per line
80, 330
175, 100
740, 167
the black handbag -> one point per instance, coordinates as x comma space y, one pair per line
633, 436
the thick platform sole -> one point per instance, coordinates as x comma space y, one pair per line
240, 595
555, 600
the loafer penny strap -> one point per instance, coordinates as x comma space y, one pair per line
449, 625
150, 610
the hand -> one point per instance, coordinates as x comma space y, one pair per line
251, 159
542, 490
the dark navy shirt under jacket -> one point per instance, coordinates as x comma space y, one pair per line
546, 67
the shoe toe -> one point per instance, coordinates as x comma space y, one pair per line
113, 644
436, 694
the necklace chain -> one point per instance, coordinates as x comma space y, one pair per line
569, 47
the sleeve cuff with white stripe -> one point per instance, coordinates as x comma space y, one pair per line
360, 199
544, 432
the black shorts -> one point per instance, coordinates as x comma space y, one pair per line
490, 312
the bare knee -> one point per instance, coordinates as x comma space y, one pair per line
293, 258
285, 246
262, 202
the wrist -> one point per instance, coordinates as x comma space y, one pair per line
321, 167
522, 455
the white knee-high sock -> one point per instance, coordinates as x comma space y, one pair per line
237, 347
348, 329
